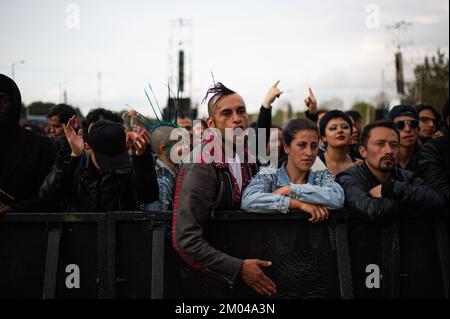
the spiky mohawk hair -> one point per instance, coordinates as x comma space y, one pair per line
217, 91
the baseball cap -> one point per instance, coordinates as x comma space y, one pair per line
108, 142
403, 109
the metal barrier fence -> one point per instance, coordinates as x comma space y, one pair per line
129, 255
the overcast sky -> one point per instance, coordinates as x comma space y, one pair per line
333, 46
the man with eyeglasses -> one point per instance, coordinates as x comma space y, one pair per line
433, 160
429, 122
406, 120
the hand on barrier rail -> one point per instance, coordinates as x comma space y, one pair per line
253, 276
318, 213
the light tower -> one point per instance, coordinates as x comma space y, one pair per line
180, 68
401, 38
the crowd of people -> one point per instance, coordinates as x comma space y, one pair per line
326, 161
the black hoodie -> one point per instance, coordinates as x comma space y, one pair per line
25, 157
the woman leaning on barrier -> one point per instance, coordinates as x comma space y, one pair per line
294, 185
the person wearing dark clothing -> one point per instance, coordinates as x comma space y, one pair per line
25, 157
357, 121
383, 196
407, 120
98, 114
433, 160
36, 129
429, 122
355, 116
336, 130
57, 116
101, 177
205, 186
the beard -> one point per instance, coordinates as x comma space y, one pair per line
386, 166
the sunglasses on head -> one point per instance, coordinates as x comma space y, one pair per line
412, 124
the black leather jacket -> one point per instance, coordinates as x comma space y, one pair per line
433, 164
406, 192
77, 186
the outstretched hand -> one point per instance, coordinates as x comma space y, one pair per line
75, 139
273, 93
253, 276
311, 102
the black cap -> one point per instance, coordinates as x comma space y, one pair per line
108, 142
402, 109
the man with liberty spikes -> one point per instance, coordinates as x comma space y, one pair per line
197, 192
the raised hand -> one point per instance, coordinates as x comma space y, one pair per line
74, 139
311, 102
273, 93
141, 141
253, 276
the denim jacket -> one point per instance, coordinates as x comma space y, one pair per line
166, 183
320, 189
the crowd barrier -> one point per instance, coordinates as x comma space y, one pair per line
129, 255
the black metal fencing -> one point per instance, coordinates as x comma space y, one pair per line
129, 255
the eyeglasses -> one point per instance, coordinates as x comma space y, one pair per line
427, 120
402, 124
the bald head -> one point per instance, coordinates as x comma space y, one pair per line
160, 136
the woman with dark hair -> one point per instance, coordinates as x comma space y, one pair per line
294, 185
336, 130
